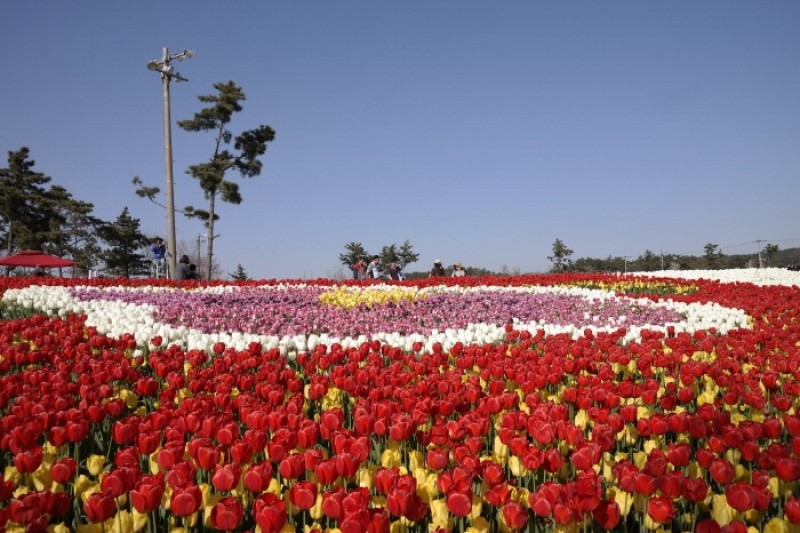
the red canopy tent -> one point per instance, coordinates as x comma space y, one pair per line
36, 259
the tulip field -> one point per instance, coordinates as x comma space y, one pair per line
559, 402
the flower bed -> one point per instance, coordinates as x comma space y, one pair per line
482, 404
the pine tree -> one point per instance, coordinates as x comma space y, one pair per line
247, 147
239, 274
125, 241
22, 203
561, 256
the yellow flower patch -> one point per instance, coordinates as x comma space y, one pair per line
350, 297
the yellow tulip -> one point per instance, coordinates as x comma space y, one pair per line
426, 484
390, 457
415, 460
378, 502
607, 464
706, 397
776, 525
581, 418
316, 510
624, 500
477, 507
516, 466
139, 520
525, 409
500, 451
95, 464
651, 444
366, 476
639, 459
275, 488
41, 477
479, 525
121, 523
440, 514
721, 511
130, 398
84, 487
152, 461
654, 526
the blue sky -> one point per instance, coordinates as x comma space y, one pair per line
479, 131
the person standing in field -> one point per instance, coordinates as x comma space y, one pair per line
374, 268
183, 267
359, 269
438, 269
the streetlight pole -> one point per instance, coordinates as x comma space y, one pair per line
163, 67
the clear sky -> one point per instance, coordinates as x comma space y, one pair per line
480, 131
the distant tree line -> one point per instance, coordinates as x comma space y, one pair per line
712, 259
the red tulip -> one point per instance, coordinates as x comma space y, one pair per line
564, 514
99, 507
497, 495
270, 513
186, 500
515, 515
540, 505
721, 471
257, 477
586, 456
182, 474
661, 509
226, 477
607, 514
385, 479
28, 461
63, 470
379, 521
437, 458
332, 503
791, 510
404, 501
292, 466
120, 481
346, 465
671, 484
708, 525
459, 503
588, 491
227, 514
227, 433
146, 497
26, 509
787, 468
740, 496
303, 495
